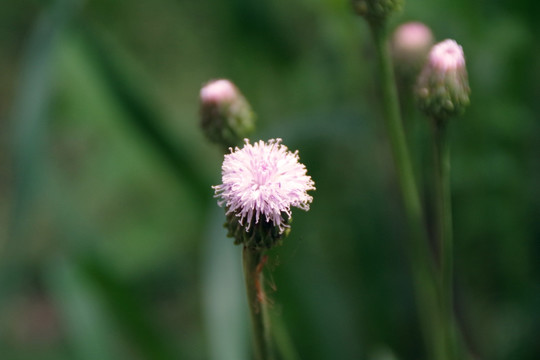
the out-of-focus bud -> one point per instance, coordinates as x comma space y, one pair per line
411, 43
226, 117
442, 88
376, 11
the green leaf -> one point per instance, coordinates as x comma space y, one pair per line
139, 103
127, 311
82, 310
224, 296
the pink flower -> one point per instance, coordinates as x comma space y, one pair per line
412, 38
263, 180
218, 91
447, 56
442, 89
411, 43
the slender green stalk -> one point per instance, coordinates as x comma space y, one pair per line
394, 127
282, 338
252, 261
423, 268
444, 226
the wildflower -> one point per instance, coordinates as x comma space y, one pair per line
226, 117
261, 182
442, 88
411, 43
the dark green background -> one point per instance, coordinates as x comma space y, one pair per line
111, 245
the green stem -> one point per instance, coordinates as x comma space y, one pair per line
396, 133
252, 262
423, 268
444, 226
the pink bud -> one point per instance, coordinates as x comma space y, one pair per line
442, 88
226, 116
218, 91
447, 56
412, 37
410, 45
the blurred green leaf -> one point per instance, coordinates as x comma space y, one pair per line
128, 312
29, 120
282, 338
88, 327
224, 298
145, 116
31, 105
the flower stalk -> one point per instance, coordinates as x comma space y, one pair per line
423, 268
443, 210
253, 262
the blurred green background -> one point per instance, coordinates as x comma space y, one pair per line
112, 247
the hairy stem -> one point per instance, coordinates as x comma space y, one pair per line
253, 261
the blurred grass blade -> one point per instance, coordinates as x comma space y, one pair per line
82, 311
31, 104
282, 338
138, 104
128, 312
83, 280
29, 116
224, 299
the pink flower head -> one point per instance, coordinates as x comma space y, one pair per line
411, 43
447, 56
412, 37
218, 91
442, 89
263, 180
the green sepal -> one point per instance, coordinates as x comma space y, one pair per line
443, 96
260, 236
228, 123
376, 11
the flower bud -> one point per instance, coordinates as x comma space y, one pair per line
442, 88
411, 43
226, 117
376, 11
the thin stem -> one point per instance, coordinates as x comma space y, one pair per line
444, 225
394, 127
253, 262
423, 268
